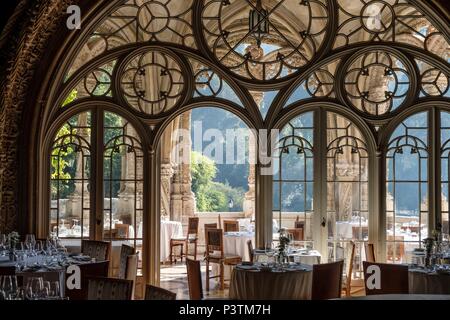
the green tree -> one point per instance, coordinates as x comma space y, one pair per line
203, 171
212, 196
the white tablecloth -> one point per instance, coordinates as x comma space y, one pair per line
235, 243
169, 230
344, 229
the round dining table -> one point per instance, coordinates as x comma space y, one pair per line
423, 282
253, 283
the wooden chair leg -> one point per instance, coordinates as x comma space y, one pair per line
171, 252
222, 277
207, 275
181, 253
195, 250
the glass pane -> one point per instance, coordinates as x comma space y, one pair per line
70, 178
407, 189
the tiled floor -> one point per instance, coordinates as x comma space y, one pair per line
174, 278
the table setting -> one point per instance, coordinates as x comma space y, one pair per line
39, 268
429, 272
278, 278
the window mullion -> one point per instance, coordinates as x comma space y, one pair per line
97, 178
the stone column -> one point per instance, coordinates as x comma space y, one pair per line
167, 168
74, 205
127, 193
250, 195
182, 197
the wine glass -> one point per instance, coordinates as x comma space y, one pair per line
9, 286
269, 250
2, 243
35, 286
55, 289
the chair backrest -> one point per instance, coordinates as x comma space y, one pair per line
210, 226
7, 271
327, 281
193, 226
370, 252
109, 289
123, 231
393, 278
88, 270
214, 240
299, 224
230, 226
297, 234
350, 261
99, 250
157, 293
194, 279
132, 267
251, 253
125, 251
398, 246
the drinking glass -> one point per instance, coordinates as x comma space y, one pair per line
2, 243
9, 286
55, 289
36, 285
269, 250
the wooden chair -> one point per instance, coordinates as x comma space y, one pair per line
132, 268
191, 238
297, 234
299, 224
215, 254
99, 250
327, 281
125, 252
194, 279
251, 251
219, 221
369, 248
399, 245
88, 270
109, 289
394, 278
157, 293
210, 226
350, 262
230, 226
123, 231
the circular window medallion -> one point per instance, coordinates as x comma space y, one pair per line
434, 83
98, 82
377, 16
153, 17
254, 40
377, 82
152, 82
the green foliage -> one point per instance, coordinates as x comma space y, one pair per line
203, 171
61, 159
70, 98
212, 196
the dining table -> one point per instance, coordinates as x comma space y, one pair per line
262, 282
49, 268
424, 281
